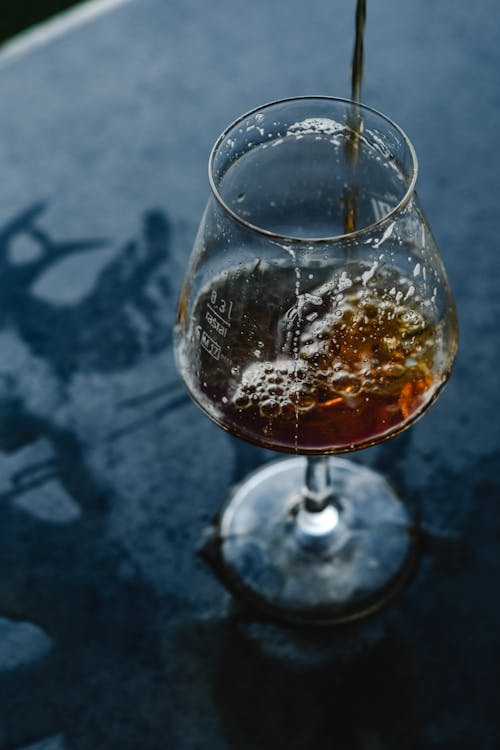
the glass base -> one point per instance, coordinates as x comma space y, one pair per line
313, 568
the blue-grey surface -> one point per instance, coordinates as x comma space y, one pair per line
108, 474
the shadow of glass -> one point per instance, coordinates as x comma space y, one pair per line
355, 688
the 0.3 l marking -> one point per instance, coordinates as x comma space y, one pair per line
221, 306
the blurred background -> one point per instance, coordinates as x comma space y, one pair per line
18, 15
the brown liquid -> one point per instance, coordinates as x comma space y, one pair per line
357, 56
354, 120
326, 372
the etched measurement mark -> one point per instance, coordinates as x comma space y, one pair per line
380, 208
211, 346
216, 321
221, 306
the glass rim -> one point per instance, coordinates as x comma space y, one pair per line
344, 237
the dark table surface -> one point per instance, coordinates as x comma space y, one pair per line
113, 634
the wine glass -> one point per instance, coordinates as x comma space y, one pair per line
315, 319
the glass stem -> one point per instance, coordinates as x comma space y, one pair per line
318, 515
318, 490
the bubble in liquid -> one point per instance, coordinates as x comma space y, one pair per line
270, 408
275, 391
370, 310
390, 342
303, 400
345, 383
414, 322
288, 411
393, 370
242, 402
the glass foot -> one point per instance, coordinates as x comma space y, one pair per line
313, 568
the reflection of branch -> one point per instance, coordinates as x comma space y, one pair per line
56, 251
53, 250
173, 403
68, 465
122, 318
143, 398
19, 477
69, 578
24, 219
20, 488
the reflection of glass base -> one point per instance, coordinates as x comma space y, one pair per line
286, 563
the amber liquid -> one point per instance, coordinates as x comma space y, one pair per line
342, 365
354, 120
